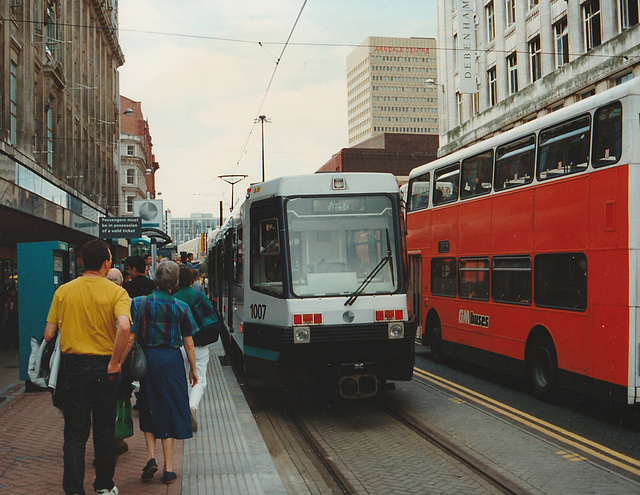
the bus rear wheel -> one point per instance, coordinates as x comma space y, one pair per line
543, 368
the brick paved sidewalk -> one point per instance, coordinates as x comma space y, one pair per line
31, 452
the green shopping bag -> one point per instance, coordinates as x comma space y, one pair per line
124, 423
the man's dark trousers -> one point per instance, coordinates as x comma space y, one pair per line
89, 392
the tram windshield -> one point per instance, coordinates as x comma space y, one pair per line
336, 243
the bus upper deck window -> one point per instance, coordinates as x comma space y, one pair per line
477, 174
419, 192
514, 163
607, 135
564, 148
446, 181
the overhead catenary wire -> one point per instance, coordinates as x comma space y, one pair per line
298, 43
273, 75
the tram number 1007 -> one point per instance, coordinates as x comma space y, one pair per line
258, 311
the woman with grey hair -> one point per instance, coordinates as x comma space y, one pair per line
166, 325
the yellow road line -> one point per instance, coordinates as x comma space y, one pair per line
603, 453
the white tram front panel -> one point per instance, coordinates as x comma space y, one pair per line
323, 282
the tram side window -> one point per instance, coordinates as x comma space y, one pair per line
266, 264
443, 277
445, 188
607, 135
477, 173
560, 281
419, 192
514, 163
238, 261
564, 148
473, 278
511, 279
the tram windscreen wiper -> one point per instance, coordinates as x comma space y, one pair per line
352, 298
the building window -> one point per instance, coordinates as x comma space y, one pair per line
455, 51
534, 58
624, 78
510, 12
459, 107
130, 204
512, 63
51, 27
493, 86
131, 150
628, 13
592, 29
561, 34
532, 3
130, 176
491, 22
587, 94
475, 103
49, 135
13, 106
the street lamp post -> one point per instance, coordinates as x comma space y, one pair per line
431, 83
262, 119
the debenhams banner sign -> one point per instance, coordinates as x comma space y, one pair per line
466, 47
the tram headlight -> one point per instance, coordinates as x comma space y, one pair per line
301, 335
396, 330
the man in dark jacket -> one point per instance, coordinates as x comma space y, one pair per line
138, 285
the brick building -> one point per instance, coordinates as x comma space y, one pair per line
393, 153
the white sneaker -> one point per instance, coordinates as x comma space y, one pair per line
113, 491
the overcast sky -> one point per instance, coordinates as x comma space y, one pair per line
201, 69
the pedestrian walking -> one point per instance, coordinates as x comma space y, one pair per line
197, 283
124, 424
167, 324
193, 297
115, 276
149, 262
138, 284
85, 311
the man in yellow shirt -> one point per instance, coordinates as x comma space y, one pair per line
85, 311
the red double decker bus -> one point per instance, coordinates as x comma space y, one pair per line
523, 249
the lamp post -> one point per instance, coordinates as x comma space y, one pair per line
431, 83
128, 112
262, 119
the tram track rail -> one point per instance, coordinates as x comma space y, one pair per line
498, 482
330, 467
327, 467
450, 448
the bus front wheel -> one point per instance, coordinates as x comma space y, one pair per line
543, 368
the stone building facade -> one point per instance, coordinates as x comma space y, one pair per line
59, 119
532, 57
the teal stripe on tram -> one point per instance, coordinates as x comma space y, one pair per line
261, 353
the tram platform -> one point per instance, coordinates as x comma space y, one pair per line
226, 455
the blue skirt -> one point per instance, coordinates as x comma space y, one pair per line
164, 397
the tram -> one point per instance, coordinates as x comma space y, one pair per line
309, 276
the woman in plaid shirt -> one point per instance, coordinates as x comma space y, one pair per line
164, 400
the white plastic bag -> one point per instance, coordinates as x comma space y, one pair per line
44, 374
